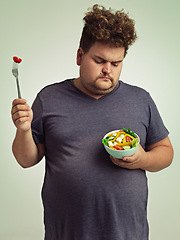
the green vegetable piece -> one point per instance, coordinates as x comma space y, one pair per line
111, 138
126, 147
105, 141
135, 142
128, 131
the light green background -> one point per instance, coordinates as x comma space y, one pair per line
46, 35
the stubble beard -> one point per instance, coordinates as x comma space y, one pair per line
97, 87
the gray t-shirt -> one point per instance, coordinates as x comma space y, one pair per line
86, 196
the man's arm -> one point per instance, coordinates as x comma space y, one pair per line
160, 155
156, 157
26, 152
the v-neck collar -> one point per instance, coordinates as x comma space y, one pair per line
90, 97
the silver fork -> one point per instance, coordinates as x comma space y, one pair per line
15, 73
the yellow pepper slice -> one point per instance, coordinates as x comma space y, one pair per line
125, 144
124, 139
112, 148
117, 135
115, 132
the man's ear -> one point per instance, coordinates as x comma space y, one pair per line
80, 54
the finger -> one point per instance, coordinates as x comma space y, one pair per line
18, 101
123, 164
19, 115
116, 161
127, 159
20, 107
21, 120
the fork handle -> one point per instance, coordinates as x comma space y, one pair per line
18, 88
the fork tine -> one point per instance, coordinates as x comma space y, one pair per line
15, 74
15, 69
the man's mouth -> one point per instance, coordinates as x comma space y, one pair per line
105, 78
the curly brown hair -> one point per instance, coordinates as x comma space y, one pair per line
113, 28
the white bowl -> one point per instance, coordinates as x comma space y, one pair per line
120, 153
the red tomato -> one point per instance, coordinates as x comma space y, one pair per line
128, 139
17, 60
118, 147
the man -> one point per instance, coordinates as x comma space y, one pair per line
88, 195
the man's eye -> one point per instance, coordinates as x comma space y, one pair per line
115, 64
98, 61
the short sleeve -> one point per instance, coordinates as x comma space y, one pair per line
156, 129
37, 123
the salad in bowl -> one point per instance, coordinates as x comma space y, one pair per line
121, 143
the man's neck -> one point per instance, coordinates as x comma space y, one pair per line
78, 85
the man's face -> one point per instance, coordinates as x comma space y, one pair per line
100, 69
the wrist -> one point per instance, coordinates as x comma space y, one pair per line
150, 162
22, 132
146, 161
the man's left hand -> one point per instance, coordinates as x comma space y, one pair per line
137, 160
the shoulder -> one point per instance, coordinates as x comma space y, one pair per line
135, 92
133, 88
51, 88
55, 94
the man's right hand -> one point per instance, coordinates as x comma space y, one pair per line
22, 114
26, 152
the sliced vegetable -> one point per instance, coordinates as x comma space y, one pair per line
126, 147
135, 142
125, 144
128, 131
128, 138
118, 147
105, 141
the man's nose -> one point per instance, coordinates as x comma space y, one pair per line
106, 68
